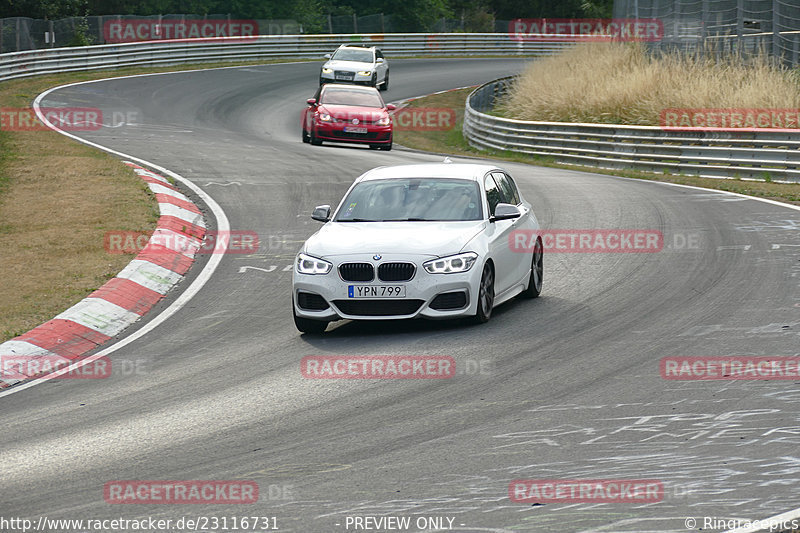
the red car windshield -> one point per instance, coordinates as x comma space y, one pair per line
356, 97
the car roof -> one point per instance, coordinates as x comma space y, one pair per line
359, 46
361, 88
470, 171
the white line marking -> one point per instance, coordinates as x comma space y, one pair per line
744, 247
222, 184
205, 275
765, 200
246, 268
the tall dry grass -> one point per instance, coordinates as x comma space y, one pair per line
619, 83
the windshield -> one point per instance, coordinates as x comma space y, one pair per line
349, 54
412, 199
347, 96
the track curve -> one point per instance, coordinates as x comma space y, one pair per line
571, 387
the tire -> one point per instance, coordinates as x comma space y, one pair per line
385, 84
387, 146
306, 138
305, 325
374, 82
313, 139
536, 280
485, 295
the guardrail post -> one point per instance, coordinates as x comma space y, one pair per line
776, 35
795, 46
18, 31
739, 24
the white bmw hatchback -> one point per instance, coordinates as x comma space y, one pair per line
429, 240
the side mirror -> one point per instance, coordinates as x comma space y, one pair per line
505, 212
311, 101
322, 213
391, 107
379, 60
327, 56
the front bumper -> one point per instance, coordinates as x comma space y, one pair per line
356, 78
421, 292
334, 131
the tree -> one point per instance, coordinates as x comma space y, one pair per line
419, 15
42, 9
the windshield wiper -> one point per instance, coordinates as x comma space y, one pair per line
358, 220
411, 219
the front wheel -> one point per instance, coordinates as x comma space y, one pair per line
537, 272
305, 325
485, 295
385, 84
313, 139
306, 138
387, 146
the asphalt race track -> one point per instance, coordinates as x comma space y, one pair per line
563, 387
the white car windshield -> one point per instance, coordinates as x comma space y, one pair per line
347, 96
412, 199
348, 54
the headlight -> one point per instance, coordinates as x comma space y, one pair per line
365, 73
324, 117
385, 121
327, 70
451, 264
311, 265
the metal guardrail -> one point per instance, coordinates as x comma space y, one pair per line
715, 154
57, 60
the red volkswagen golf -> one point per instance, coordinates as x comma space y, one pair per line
350, 114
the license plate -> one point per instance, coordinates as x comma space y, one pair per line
353, 129
376, 291
344, 77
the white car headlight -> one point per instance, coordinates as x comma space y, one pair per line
365, 73
451, 264
324, 117
327, 70
385, 121
312, 265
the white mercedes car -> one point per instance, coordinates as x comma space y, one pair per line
356, 64
430, 240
